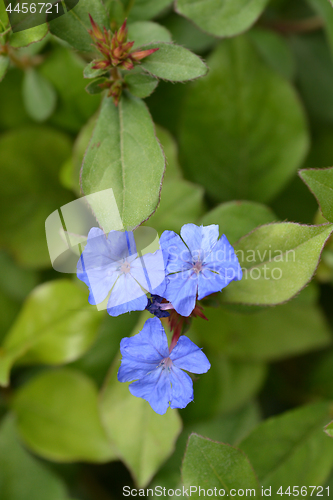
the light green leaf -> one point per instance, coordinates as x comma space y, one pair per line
275, 50
115, 10
146, 9
55, 326
320, 183
30, 191
145, 32
278, 260
90, 72
223, 18
140, 84
126, 417
3, 16
28, 36
237, 218
124, 155
58, 418
21, 475
210, 465
4, 63
94, 86
39, 95
291, 449
74, 25
181, 203
233, 126
268, 335
64, 69
173, 62
325, 11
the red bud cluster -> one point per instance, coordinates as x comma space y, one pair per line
116, 50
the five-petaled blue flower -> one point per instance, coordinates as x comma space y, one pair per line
202, 266
112, 264
158, 374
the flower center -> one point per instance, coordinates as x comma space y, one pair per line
197, 267
166, 363
125, 267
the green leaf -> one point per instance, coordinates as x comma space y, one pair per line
13, 113
3, 16
291, 449
181, 203
185, 33
30, 191
28, 36
147, 9
278, 261
140, 84
169, 145
58, 418
228, 385
124, 155
173, 63
89, 72
64, 70
126, 417
267, 335
16, 281
210, 465
320, 183
74, 25
39, 95
237, 218
223, 18
94, 86
21, 475
65, 330
145, 32
228, 134
275, 50
4, 63
324, 9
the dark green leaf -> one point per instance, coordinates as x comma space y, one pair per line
89, 72
173, 62
58, 418
4, 63
74, 25
124, 155
210, 465
30, 191
94, 87
223, 18
233, 126
21, 475
39, 95
291, 449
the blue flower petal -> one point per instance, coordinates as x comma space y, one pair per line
149, 345
224, 260
126, 296
176, 255
96, 253
188, 356
155, 272
121, 244
133, 369
200, 239
181, 291
100, 284
154, 388
182, 388
209, 282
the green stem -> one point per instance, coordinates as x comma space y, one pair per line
299, 26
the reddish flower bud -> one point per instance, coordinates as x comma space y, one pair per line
127, 47
127, 64
95, 32
101, 64
141, 54
122, 33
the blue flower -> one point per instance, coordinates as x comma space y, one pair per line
202, 265
158, 373
111, 265
154, 307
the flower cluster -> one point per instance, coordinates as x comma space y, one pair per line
184, 270
116, 52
